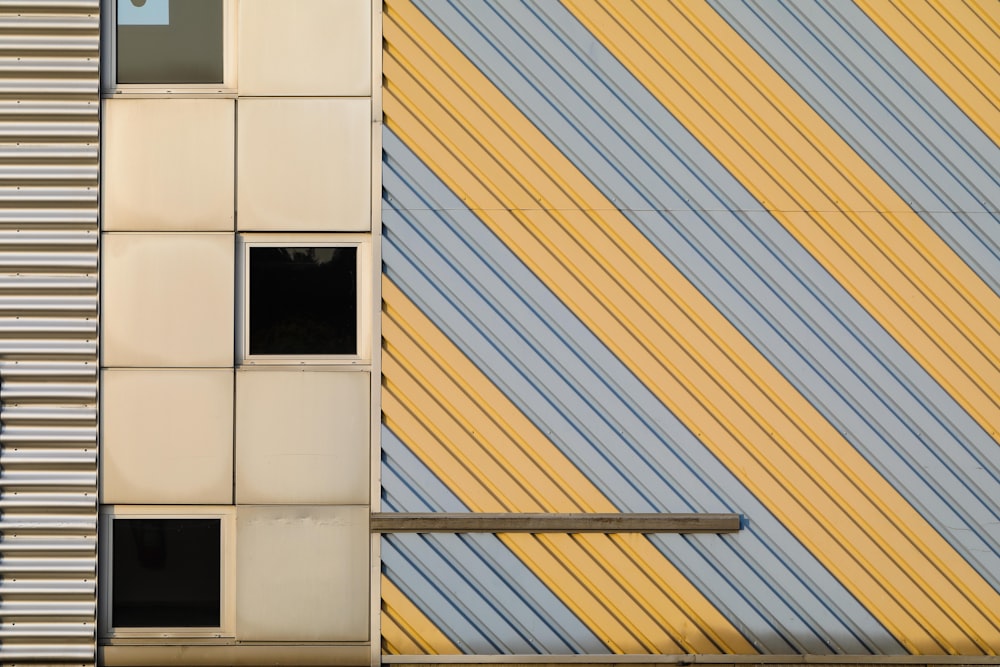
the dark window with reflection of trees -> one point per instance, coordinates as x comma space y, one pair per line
303, 300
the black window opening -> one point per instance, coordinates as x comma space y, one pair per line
166, 573
303, 300
170, 41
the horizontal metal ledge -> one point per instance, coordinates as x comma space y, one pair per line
233, 655
514, 522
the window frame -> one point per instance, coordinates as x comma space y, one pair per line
226, 515
109, 56
360, 241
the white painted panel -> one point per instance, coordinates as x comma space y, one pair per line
168, 299
167, 436
169, 164
302, 436
304, 165
305, 47
301, 573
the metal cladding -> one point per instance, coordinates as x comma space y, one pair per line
49, 102
693, 256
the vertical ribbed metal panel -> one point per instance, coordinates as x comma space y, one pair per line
49, 102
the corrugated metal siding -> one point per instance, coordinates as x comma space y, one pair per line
49, 102
637, 454
696, 256
465, 567
954, 43
931, 153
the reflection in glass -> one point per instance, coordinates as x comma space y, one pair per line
166, 573
170, 41
303, 300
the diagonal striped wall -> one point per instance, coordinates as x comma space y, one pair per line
698, 256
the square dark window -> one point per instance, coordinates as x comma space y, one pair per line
303, 300
166, 573
170, 41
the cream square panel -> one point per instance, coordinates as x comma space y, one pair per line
302, 573
304, 165
167, 299
169, 164
305, 47
167, 436
302, 436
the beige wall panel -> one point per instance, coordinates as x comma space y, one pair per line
301, 573
168, 299
169, 165
167, 436
305, 47
302, 436
304, 165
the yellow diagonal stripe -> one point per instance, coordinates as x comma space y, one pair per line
406, 630
495, 460
686, 352
957, 44
825, 194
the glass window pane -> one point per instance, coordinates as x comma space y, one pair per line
303, 300
170, 41
166, 573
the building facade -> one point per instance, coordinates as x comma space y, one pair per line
461, 331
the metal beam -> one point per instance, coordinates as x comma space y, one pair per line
468, 522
